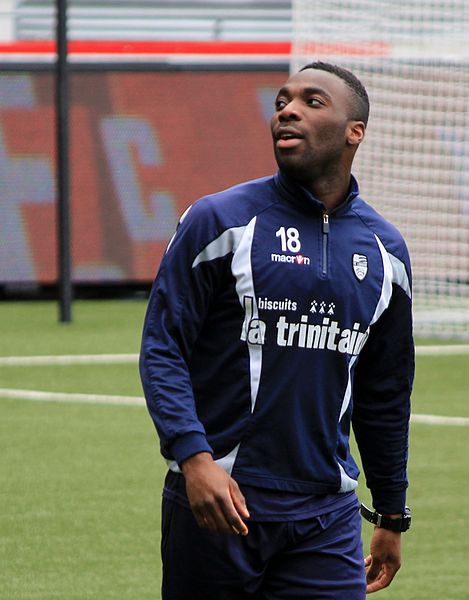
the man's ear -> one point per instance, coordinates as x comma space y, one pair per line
355, 133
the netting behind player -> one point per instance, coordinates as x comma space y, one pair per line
413, 57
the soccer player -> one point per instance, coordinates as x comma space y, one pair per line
281, 315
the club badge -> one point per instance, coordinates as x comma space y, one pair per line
360, 266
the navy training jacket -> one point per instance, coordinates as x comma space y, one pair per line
271, 326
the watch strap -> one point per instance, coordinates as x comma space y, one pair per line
393, 524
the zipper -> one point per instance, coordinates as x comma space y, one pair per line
325, 239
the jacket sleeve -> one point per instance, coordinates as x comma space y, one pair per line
176, 310
382, 387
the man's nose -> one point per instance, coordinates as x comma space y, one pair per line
290, 112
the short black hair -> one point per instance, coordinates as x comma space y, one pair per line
361, 106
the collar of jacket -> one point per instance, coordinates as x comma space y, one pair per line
295, 193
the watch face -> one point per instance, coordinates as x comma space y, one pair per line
406, 521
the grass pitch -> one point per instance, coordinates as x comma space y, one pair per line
81, 500
81, 484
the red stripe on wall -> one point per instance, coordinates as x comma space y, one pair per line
193, 47
157, 47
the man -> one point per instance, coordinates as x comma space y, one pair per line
281, 313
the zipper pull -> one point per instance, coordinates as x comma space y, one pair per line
325, 223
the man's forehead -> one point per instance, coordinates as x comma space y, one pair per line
317, 78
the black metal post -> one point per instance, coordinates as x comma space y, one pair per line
63, 195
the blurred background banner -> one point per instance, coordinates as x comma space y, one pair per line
168, 101
143, 146
171, 100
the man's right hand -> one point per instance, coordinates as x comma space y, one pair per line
214, 497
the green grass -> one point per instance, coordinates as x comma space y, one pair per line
441, 385
122, 379
435, 549
81, 499
30, 328
81, 484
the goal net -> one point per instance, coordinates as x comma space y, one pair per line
413, 58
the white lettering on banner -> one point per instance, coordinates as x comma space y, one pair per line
25, 180
122, 136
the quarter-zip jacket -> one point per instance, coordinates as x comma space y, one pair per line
271, 327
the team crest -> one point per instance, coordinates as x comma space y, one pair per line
360, 266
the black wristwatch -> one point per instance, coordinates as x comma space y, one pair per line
394, 524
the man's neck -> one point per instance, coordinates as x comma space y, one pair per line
331, 192
330, 185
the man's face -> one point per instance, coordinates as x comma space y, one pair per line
310, 126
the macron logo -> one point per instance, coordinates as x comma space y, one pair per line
299, 259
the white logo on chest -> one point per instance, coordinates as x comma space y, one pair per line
360, 266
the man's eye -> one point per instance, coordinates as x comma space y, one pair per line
314, 102
280, 104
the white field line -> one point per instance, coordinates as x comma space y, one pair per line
70, 397
439, 420
67, 359
139, 401
90, 359
442, 350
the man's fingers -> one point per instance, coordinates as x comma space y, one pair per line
378, 576
220, 516
238, 500
239, 504
211, 518
382, 581
202, 518
373, 571
233, 518
384, 560
214, 497
373, 574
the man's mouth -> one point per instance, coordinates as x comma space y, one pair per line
287, 138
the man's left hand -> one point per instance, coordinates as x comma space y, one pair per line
384, 560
